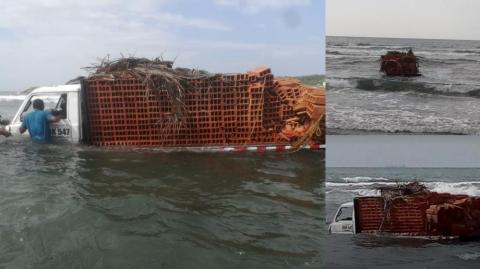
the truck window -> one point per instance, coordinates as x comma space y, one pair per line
57, 103
61, 107
345, 213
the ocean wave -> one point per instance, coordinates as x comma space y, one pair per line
334, 52
343, 44
425, 57
363, 179
339, 83
348, 117
401, 130
373, 47
358, 184
401, 106
468, 51
376, 49
467, 187
406, 84
435, 62
12, 97
354, 52
363, 44
341, 60
470, 256
393, 85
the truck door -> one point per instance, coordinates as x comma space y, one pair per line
61, 131
56, 103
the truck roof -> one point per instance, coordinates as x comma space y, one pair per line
59, 88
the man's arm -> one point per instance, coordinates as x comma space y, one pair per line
54, 119
23, 128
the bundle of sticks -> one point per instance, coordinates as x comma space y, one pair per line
156, 74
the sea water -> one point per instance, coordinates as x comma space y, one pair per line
75, 206
361, 99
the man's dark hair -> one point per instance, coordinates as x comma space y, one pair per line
38, 104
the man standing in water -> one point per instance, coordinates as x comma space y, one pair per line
38, 122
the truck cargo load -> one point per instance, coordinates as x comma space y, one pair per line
141, 102
396, 63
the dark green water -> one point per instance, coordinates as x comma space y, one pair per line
81, 207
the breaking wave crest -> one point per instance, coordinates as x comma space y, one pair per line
425, 56
363, 179
406, 85
339, 83
446, 89
6, 98
367, 186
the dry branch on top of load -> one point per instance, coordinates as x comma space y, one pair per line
392, 193
156, 74
401, 190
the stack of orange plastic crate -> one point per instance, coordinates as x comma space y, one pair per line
221, 110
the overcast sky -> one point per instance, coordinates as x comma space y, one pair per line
438, 19
403, 150
45, 42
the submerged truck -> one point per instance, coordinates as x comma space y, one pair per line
343, 220
148, 104
415, 214
395, 63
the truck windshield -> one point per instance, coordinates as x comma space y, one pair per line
345, 213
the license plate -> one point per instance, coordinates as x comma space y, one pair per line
60, 132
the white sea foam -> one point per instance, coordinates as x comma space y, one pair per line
12, 97
435, 99
358, 184
339, 83
361, 188
46, 98
469, 256
469, 188
364, 179
392, 112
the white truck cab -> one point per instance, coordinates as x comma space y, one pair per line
65, 101
343, 221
